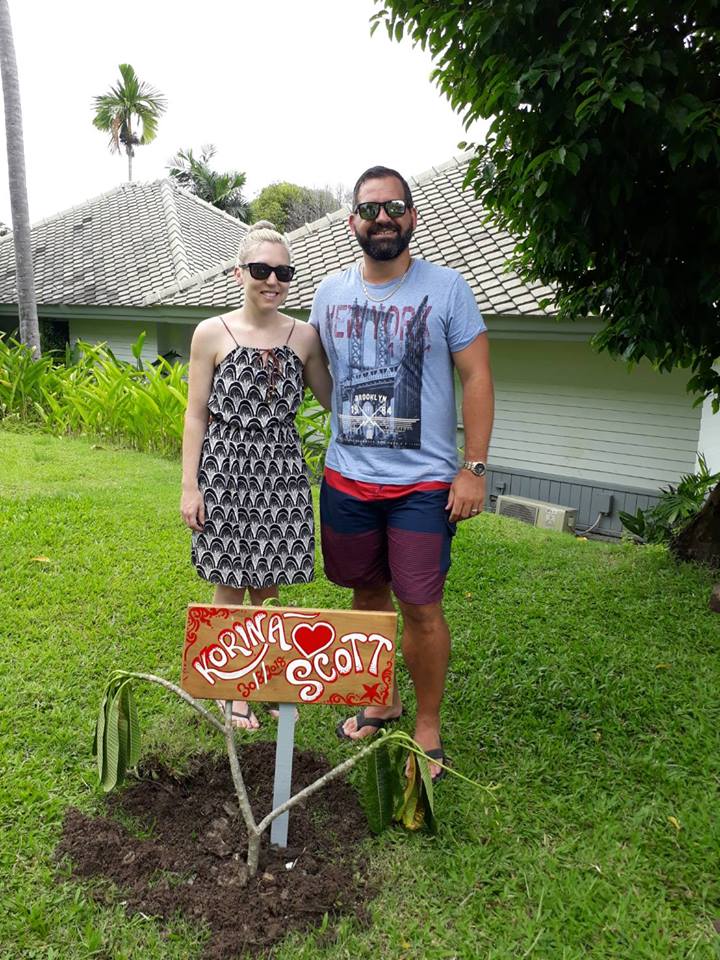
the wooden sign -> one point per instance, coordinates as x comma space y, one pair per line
289, 655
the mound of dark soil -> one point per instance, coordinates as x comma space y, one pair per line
192, 859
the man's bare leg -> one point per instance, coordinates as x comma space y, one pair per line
426, 650
243, 716
374, 598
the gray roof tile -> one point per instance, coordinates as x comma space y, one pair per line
451, 230
151, 243
119, 247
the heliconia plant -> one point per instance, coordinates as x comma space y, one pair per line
405, 790
140, 405
398, 787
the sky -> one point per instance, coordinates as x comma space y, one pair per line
288, 90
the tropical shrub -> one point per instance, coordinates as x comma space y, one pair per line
313, 425
675, 508
138, 405
24, 382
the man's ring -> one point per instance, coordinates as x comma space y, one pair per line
473, 511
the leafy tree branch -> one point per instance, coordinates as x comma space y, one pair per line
603, 156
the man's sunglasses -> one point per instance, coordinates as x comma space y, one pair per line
261, 271
371, 209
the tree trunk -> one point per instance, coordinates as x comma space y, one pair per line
27, 307
129, 156
699, 541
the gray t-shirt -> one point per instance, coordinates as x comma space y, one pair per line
393, 409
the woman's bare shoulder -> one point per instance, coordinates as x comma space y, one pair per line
304, 332
211, 329
207, 326
208, 338
305, 340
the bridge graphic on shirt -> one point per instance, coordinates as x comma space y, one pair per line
379, 404
374, 423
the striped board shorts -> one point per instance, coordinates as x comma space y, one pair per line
401, 540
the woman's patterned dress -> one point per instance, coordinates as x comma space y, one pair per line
258, 527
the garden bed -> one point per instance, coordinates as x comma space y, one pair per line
187, 853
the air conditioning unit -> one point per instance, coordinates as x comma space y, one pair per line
537, 513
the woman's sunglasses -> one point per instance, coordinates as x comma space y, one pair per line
261, 271
371, 209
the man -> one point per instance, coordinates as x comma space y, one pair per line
395, 328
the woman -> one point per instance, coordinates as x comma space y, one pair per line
245, 491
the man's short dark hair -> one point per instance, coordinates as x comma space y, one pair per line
381, 173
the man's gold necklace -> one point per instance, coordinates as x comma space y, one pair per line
390, 292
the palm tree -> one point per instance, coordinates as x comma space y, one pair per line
129, 106
27, 307
222, 190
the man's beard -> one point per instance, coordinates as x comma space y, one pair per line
386, 248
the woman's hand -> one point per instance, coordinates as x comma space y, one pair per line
192, 508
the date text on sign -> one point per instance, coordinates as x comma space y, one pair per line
289, 655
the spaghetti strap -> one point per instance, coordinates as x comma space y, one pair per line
231, 333
292, 330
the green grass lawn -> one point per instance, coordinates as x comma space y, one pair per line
584, 684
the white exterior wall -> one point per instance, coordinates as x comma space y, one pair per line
119, 335
565, 410
709, 441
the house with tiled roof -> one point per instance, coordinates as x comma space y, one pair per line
98, 264
573, 426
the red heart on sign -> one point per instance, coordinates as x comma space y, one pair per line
310, 640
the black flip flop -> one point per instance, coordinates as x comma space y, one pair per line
361, 720
438, 753
239, 715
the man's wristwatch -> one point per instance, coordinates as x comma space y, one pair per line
476, 467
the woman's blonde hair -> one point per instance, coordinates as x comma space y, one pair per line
261, 232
